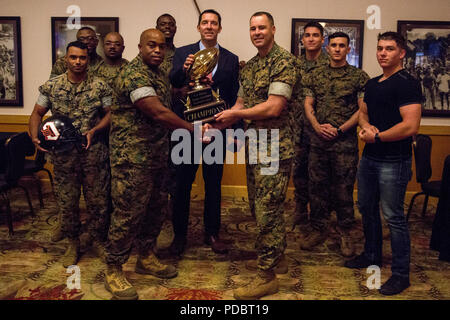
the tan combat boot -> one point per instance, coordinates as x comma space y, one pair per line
117, 284
265, 283
98, 248
299, 217
315, 238
280, 268
72, 253
57, 231
85, 241
151, 265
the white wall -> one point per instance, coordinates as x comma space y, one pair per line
137, 15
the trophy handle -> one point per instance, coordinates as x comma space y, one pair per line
216, 94
187, 104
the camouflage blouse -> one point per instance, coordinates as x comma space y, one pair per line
135, 137
273, 74
83, 102
108, 72
336, 92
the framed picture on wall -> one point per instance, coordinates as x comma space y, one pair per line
428, 59
354, 29
11, 91
64, 33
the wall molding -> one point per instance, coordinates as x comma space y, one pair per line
14, 119
237, 188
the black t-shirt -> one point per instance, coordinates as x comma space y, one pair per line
384, 100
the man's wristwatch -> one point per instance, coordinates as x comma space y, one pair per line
340, 132
377, 138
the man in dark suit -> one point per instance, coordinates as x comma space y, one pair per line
224, 79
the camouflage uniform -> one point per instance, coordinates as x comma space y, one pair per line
80, 168
169, 181
139, 152
166, 65
60, 65
272, 74
108, 72
302, 130
332, 164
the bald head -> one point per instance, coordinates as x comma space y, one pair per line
150, 34
152, 46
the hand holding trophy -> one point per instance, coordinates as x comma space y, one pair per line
202, 102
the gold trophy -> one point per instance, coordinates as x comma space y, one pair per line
202, 103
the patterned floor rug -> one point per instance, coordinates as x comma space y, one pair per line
30, 267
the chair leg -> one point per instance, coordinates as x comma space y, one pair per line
28, 199
411, 204
41, 200
8, 214
425, 204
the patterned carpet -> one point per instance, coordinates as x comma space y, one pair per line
30, 270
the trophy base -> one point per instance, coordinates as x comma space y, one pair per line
205, 112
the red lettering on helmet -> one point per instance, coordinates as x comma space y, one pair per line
50, 132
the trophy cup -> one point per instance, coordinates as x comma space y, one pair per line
203, 102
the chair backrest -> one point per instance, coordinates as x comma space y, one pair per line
422, 156
445, 186
17, 148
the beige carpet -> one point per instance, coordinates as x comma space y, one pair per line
30, 267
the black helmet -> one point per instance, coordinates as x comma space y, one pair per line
57, 134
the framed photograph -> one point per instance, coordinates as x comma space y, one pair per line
11, 90
427, 58
63, 33
354, 29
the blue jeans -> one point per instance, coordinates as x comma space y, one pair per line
382, 183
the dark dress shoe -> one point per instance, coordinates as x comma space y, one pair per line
394, 285
217, 245
361, 262
177, 246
